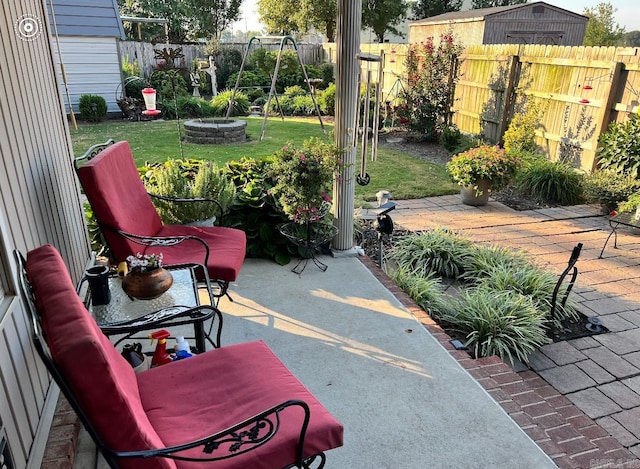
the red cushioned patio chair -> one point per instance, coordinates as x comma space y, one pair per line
235, 407
131, 224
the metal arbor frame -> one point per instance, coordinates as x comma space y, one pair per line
283, 40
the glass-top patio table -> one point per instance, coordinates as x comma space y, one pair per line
179, 305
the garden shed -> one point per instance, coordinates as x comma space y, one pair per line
529, 23
88, 34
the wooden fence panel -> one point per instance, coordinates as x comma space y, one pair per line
144, 52
583, 90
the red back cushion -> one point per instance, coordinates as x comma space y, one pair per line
101, 380
119, 200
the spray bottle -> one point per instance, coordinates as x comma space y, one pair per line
181, 349
160, 356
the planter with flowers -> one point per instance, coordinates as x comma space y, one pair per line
304, 178
481, 170
146, 278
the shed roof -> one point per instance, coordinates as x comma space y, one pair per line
82, 18
480, 14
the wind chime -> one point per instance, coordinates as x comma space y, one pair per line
371, 88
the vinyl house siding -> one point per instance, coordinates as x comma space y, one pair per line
88, 34
39, 203
92, 66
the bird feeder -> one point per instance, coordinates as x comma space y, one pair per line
149, 95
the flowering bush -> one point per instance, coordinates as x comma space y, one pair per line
483, 162
304, 179
427, 95
144, 262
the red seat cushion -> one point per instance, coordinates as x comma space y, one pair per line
198, 396
227, 248
101, 380
118, 198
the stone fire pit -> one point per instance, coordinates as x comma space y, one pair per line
215, 131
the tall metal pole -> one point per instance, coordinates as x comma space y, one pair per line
347, 68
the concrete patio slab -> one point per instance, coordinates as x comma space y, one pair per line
404, 401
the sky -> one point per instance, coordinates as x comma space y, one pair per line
627, 14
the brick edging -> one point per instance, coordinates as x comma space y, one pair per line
60, 450
553, 422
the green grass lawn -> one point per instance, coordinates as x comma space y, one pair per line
405, 176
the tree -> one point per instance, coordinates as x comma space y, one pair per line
427, 8
495, 3
211, 17
288, 16
383, 15
601, 29
322, 16
175, 12
631, 39
278, 15
188, 19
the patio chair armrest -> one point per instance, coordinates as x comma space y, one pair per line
165, 241
235, 440
186, 200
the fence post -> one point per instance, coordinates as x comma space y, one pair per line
513, 78
609, 99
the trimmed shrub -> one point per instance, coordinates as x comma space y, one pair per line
521, 134
608, 188
167, 84
92, 107
327, 100
619, 149
327, 71
248, 80
450, 137
228, 61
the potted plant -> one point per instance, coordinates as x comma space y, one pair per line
146, 278
304, 178
481, 170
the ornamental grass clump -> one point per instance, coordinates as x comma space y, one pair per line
438, 251
488, 162
503, 323
304, 178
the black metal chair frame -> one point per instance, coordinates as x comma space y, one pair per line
624, 219
238, 439
223, 285
571, 267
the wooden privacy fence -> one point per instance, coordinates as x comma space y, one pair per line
581, 89
144, 52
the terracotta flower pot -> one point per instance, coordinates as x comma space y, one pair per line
147, 285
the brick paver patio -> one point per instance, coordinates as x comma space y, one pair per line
580, 400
